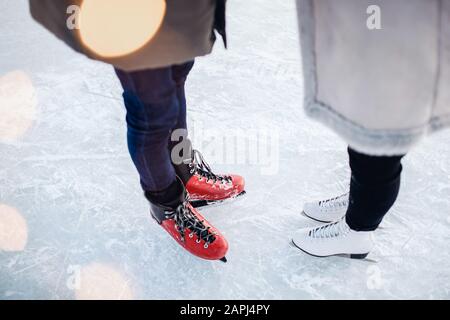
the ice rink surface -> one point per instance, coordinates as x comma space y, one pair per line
74, 223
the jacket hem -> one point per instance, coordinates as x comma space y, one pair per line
376, 142
373, 141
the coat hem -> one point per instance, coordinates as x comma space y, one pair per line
376, 142
373, 141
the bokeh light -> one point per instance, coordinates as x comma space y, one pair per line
17, 105
102, 282
113, 28
13, 229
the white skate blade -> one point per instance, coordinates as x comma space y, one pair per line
303, 213
360, 257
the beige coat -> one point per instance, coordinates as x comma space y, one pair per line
186, 32
381, 90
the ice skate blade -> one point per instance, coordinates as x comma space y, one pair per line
211, 203
309, 217
354, 256
362, 256
224, 260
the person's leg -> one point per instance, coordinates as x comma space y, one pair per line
152, 112
187, 163
179, 75
374, 187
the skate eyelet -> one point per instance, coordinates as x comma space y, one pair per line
206, 246
198, 241
191, 235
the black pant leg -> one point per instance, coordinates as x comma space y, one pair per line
374, 187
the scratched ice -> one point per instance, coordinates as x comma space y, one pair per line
73, 220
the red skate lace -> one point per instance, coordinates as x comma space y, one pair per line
201, 167
185, 219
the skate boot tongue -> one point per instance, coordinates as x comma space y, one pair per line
175, 206
199, 166
330, 230
339, 201
185, 219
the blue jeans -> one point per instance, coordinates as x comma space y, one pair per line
156, 105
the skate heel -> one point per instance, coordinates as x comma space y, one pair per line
359, 256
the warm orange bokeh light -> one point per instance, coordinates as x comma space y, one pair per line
114, 28
17, 105
13, 229
102, 282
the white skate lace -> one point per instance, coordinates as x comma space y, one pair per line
199, 166
336, 202
331, 230
185, 219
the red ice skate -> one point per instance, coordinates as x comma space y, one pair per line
204, 186
189, 228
